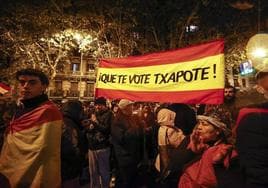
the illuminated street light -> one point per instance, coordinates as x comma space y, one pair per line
257, 50
75, 39
259, 53
83, 40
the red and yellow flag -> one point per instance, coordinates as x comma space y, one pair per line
4, 88
188, 75
30, 156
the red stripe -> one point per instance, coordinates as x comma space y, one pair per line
46, 113
244, 112
167, 57
5, 86
212, 96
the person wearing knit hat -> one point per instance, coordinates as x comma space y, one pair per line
211, 135
127, 140
126, 106
216, 122
123, 103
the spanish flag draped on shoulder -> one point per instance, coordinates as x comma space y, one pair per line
30, 156
193, 75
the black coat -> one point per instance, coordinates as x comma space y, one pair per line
127, 139
252, 144
73, 142
99, 136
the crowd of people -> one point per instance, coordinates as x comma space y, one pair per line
124, 143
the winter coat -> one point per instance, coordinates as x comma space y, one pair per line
168, 135
201, 173
31, 152
98, 136
127, 139
73, 142
252, 144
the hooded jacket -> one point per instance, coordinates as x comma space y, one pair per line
73, 143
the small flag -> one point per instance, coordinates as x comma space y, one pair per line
4, 88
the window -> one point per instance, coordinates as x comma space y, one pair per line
90, 67
191, 28
58, 84
74, 86
89, 90
74, 90
75, 67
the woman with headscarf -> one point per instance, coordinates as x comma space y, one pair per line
213, 135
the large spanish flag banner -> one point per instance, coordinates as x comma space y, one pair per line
193, 75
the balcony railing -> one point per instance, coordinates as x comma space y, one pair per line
73, 94
88, 74
56, 93
88, 94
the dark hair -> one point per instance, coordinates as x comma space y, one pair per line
100, 101
33, 72
230, 86
261, 74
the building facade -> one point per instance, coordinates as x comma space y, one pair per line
75, 80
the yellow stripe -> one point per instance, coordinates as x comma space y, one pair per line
153, 81
35, 152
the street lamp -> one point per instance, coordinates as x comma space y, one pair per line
257, 50
83, 40
259, 53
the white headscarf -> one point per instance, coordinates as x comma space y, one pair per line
166, 117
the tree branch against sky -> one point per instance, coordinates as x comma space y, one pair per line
119, 26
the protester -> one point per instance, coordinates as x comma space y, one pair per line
150, 129
127, 137
31, 152
228, 109
213, 136
7, 110
5, 118
168, 136
114, 108
73, 144
230, 102
98, 135
252, 138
